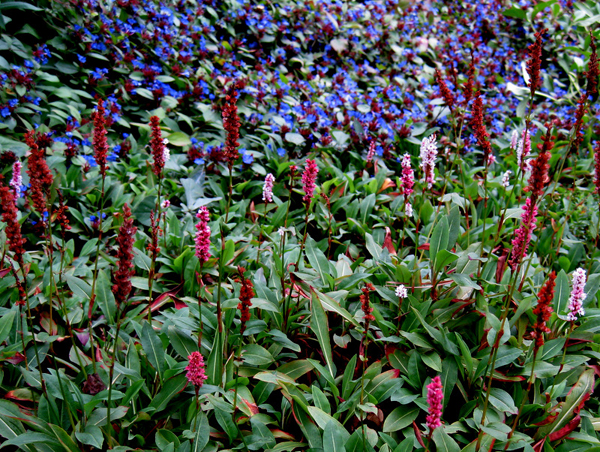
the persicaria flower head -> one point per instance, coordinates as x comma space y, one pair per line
543, 310
428, 153
202, 238
408, 176
17, 179
99, 141
40, 177
309, 177
246, 295
539, 167
166, 151
14, 238
231, 124
593, 72
514, 140
401, 291
371, 152
125, 267
597, 166
523, 148
577, 295
446, 93
366, 304
268, 188
506, 178
435, 397
478, 125
523, 234
534, 63
157, 145
195, 369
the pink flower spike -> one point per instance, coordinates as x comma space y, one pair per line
309, 176
435, 396
577, 295
17, 178
195, 369
408, 176
428, 155
268, 188
523, 234
202, 238
371, 152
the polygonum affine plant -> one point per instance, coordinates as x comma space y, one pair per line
215, 235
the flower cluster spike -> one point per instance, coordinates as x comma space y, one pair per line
195, 369
481, 134
428, 153
543, 310
246, 295
523, 234
444, 90
593, 72
309, 177
577, 295
231, 124
268, 188
100, 142
40, 177
435, 397
202, 239
157, 145
534, 62
125, 267
13, 229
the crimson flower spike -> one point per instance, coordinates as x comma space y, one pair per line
231, 124
157, 145
539, 168
125, 267
100, 142
543, 311
534, 62
592, 73
444, 90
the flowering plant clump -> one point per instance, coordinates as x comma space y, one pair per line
159, 225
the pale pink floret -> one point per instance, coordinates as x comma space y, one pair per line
17, 178
577, 295
195, 369
268, 188
435, 396
523, 234
371, 152
428, 155
408, 176
202, 238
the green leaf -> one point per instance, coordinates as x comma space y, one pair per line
561, 293
105, 298
64, 439
400, 418
170, 389
19, 5
179, 139
79, 287
517, 13
324, 420
294, 138
202, 432
214, 365
183, 344
256, 355
6, 324
320, 326
443, 441
439, 240
576, 397
154, 350
333, 440
100, 415
317, 259
444, 258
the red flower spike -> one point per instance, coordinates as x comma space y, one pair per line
543, 311
231, 124
13, 229
157, 146
539, 168
100, 142
534, 63
40, 177
444, 90
246, 295
592, 73
597, 166
125, 270
479, 128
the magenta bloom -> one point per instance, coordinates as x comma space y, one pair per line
202, 238
268, 188
408, 176
308, 180
435, 396
577, 295
195, 369
17, 178
371, 152
523, 234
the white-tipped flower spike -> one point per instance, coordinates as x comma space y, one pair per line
401, 291
506, 178
428, 155
268, 188
514, 140
166, 152
577, 295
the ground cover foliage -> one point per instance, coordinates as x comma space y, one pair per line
299, 226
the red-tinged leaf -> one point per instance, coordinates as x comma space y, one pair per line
253, 214
48, 324
15, 358
501, 266
418, 434
252, 406
387, 183
596, 368
280, 434
4, 272
179, 304
387, 242
499, 376
163, 299
22, 394
539, 446
424, 247
571, 425
549, 420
